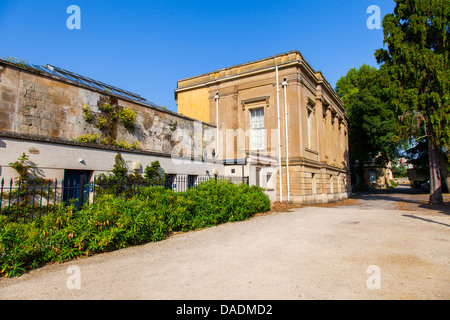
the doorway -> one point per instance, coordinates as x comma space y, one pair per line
76, 186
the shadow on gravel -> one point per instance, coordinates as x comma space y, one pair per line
406, 198
427, 220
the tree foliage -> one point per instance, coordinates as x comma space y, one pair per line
416, 63
417, 156
120, 169
154, 171
373, 136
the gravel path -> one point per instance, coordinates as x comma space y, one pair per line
366, 250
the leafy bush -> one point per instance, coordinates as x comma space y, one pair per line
221, 201
102, 123
154, 172
112, 223
88, 138
88, 117
127, 117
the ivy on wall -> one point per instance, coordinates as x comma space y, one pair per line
107, 121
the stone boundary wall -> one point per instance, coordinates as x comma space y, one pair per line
43, 105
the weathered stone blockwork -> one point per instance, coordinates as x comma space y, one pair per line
40, 107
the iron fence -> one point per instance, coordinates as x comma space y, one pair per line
30, 199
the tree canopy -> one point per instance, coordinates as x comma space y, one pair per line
416, 64
373, 137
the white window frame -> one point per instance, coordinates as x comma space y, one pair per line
257, 129
270, 181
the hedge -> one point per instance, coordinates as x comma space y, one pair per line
112, 223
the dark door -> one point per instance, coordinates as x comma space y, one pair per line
170, 181
258, 177
191, 181
76, 186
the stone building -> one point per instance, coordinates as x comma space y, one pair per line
279, 121
378, 177
46, 111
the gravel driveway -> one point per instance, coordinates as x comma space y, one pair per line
365, 249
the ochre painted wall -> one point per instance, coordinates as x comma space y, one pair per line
194, 104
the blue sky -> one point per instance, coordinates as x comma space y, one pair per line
146, 46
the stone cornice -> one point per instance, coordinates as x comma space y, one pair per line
312, 163
309, 76
59, 141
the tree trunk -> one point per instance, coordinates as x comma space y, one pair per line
435, 175
445, 174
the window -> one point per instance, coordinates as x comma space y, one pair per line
373, 176
257, 132
311, 138
310, 124
269, 182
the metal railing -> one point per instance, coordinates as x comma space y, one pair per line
31, 199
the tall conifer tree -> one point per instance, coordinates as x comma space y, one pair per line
416, 62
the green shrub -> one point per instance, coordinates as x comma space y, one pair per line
88, 117
127, 117
88, 138
28, 245
221, 201
112, 223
